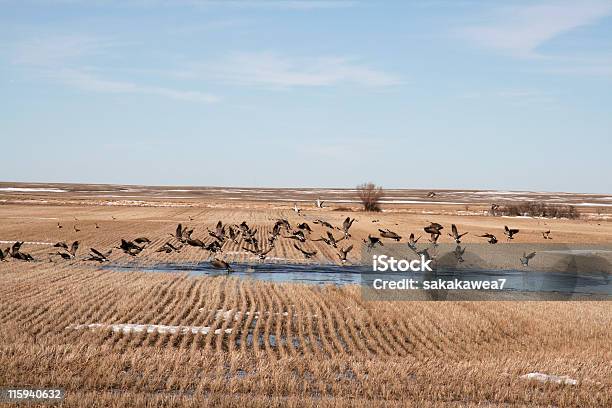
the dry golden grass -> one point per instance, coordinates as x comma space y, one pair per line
307, 346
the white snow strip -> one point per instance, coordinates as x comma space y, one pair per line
147, 328
550, 378
28, 190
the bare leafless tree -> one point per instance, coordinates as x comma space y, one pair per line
370, 194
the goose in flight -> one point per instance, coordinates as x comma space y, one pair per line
346, 225
492, 238
431, 194
387, 233
319, 203
296, 209
221, 264
129, 247
3, 254
16, 253
371, 242
219, 233
76, 229
195, 242
61, 244
412, 242
168, 248
330, 240
297, 235
526, 257
261, 254
98, 256
307, 254
455, 235
232, 234
283, 223
509, 232
434, 228
546, 234
344, 252
59, 226
97, 226
214, 247
323, 224
304, 226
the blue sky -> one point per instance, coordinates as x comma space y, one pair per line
437, 94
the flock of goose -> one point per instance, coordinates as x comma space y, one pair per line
245, 236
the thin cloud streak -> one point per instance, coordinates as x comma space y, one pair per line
520, 31
269, 69
89, 82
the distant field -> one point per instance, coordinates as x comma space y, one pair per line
230, 342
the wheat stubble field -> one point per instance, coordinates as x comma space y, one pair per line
269, 344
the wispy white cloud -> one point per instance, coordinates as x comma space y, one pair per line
90, 82
60, 59
270, 69
521, 30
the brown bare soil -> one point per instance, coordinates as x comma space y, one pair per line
287, 344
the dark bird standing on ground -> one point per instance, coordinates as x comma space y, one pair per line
509, 232
387, 233
306, 254
546, 234
526, 257
455, 235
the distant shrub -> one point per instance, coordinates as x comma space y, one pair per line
370, 194
538, 209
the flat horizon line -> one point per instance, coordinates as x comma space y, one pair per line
4, 183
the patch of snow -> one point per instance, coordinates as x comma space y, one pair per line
147, 328
550, 378
32, 190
